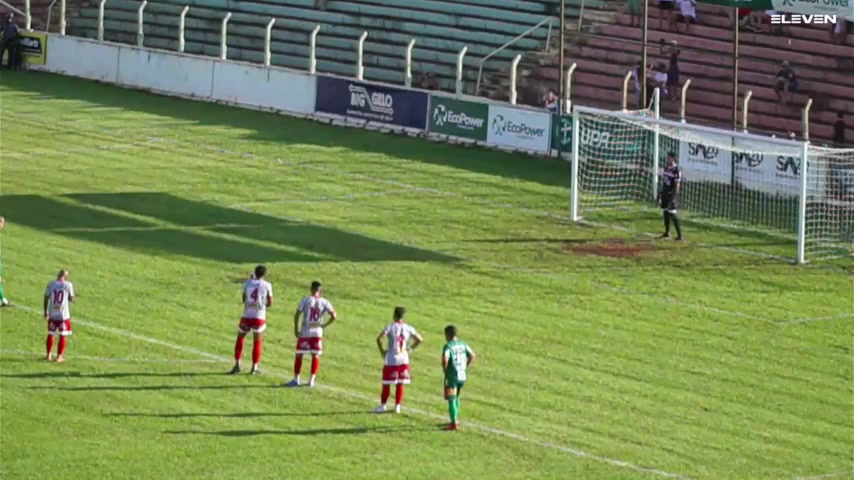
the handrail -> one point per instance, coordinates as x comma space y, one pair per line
511, 42
49, 11
12, 8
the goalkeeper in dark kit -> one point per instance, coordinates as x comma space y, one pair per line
668, 195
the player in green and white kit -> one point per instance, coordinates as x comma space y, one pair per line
3, 301
456, 358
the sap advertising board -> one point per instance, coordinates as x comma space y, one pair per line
374, 103
515, 128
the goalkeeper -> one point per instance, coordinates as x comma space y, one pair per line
668, 196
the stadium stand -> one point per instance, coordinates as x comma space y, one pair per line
441, 28
825, 71
605, 47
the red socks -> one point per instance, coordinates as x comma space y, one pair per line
315, 364
398, 394
238, 348
297, 365
385, 394
256, 352
49, 343
61, 349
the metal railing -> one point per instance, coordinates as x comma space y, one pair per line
547, 20
49, 12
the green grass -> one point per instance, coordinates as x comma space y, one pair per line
683, 360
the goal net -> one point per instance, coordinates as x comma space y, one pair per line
740, 191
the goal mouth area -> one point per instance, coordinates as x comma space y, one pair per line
769, 196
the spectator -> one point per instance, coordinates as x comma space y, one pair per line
673, 70
655, 78
687, 13
665, 8
635, 10
840, 30
785, 83
839, 130
321, 4
636, 76
749, 19
9, 42
551, 102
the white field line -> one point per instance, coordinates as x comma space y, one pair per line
826, 475
817, 319
487, 203
353, 394
26, 353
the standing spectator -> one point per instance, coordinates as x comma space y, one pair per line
636, 76
785, 83
666, 8
687, 13
839, 130
635, 10
551, 103
673, 70
840, 30
9, 43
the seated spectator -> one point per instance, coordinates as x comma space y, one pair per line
839, 130
749, 19
321, 4
10, 43
427, 81
551, 102
785, 83
656, 77
687, 13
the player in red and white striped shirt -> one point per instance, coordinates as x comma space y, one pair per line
257, 298
401, 338
57, 311
312, 309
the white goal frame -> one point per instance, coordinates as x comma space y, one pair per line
656, 125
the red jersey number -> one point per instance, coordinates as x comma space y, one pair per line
314, 315
58, 297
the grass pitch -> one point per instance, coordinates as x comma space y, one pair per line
663, 361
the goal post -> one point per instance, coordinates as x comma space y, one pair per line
771, 196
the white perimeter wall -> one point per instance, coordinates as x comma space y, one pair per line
182, 75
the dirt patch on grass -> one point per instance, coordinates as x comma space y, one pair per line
612, 247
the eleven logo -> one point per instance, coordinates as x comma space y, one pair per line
376, 102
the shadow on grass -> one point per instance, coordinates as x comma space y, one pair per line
278, 129
319, 431
199, 229
236, 415
110, 375
145, 388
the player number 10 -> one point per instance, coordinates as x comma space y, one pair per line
58, 297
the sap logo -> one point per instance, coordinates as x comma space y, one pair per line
377, 102
790, 165
752, 160
699, 150
595, 138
